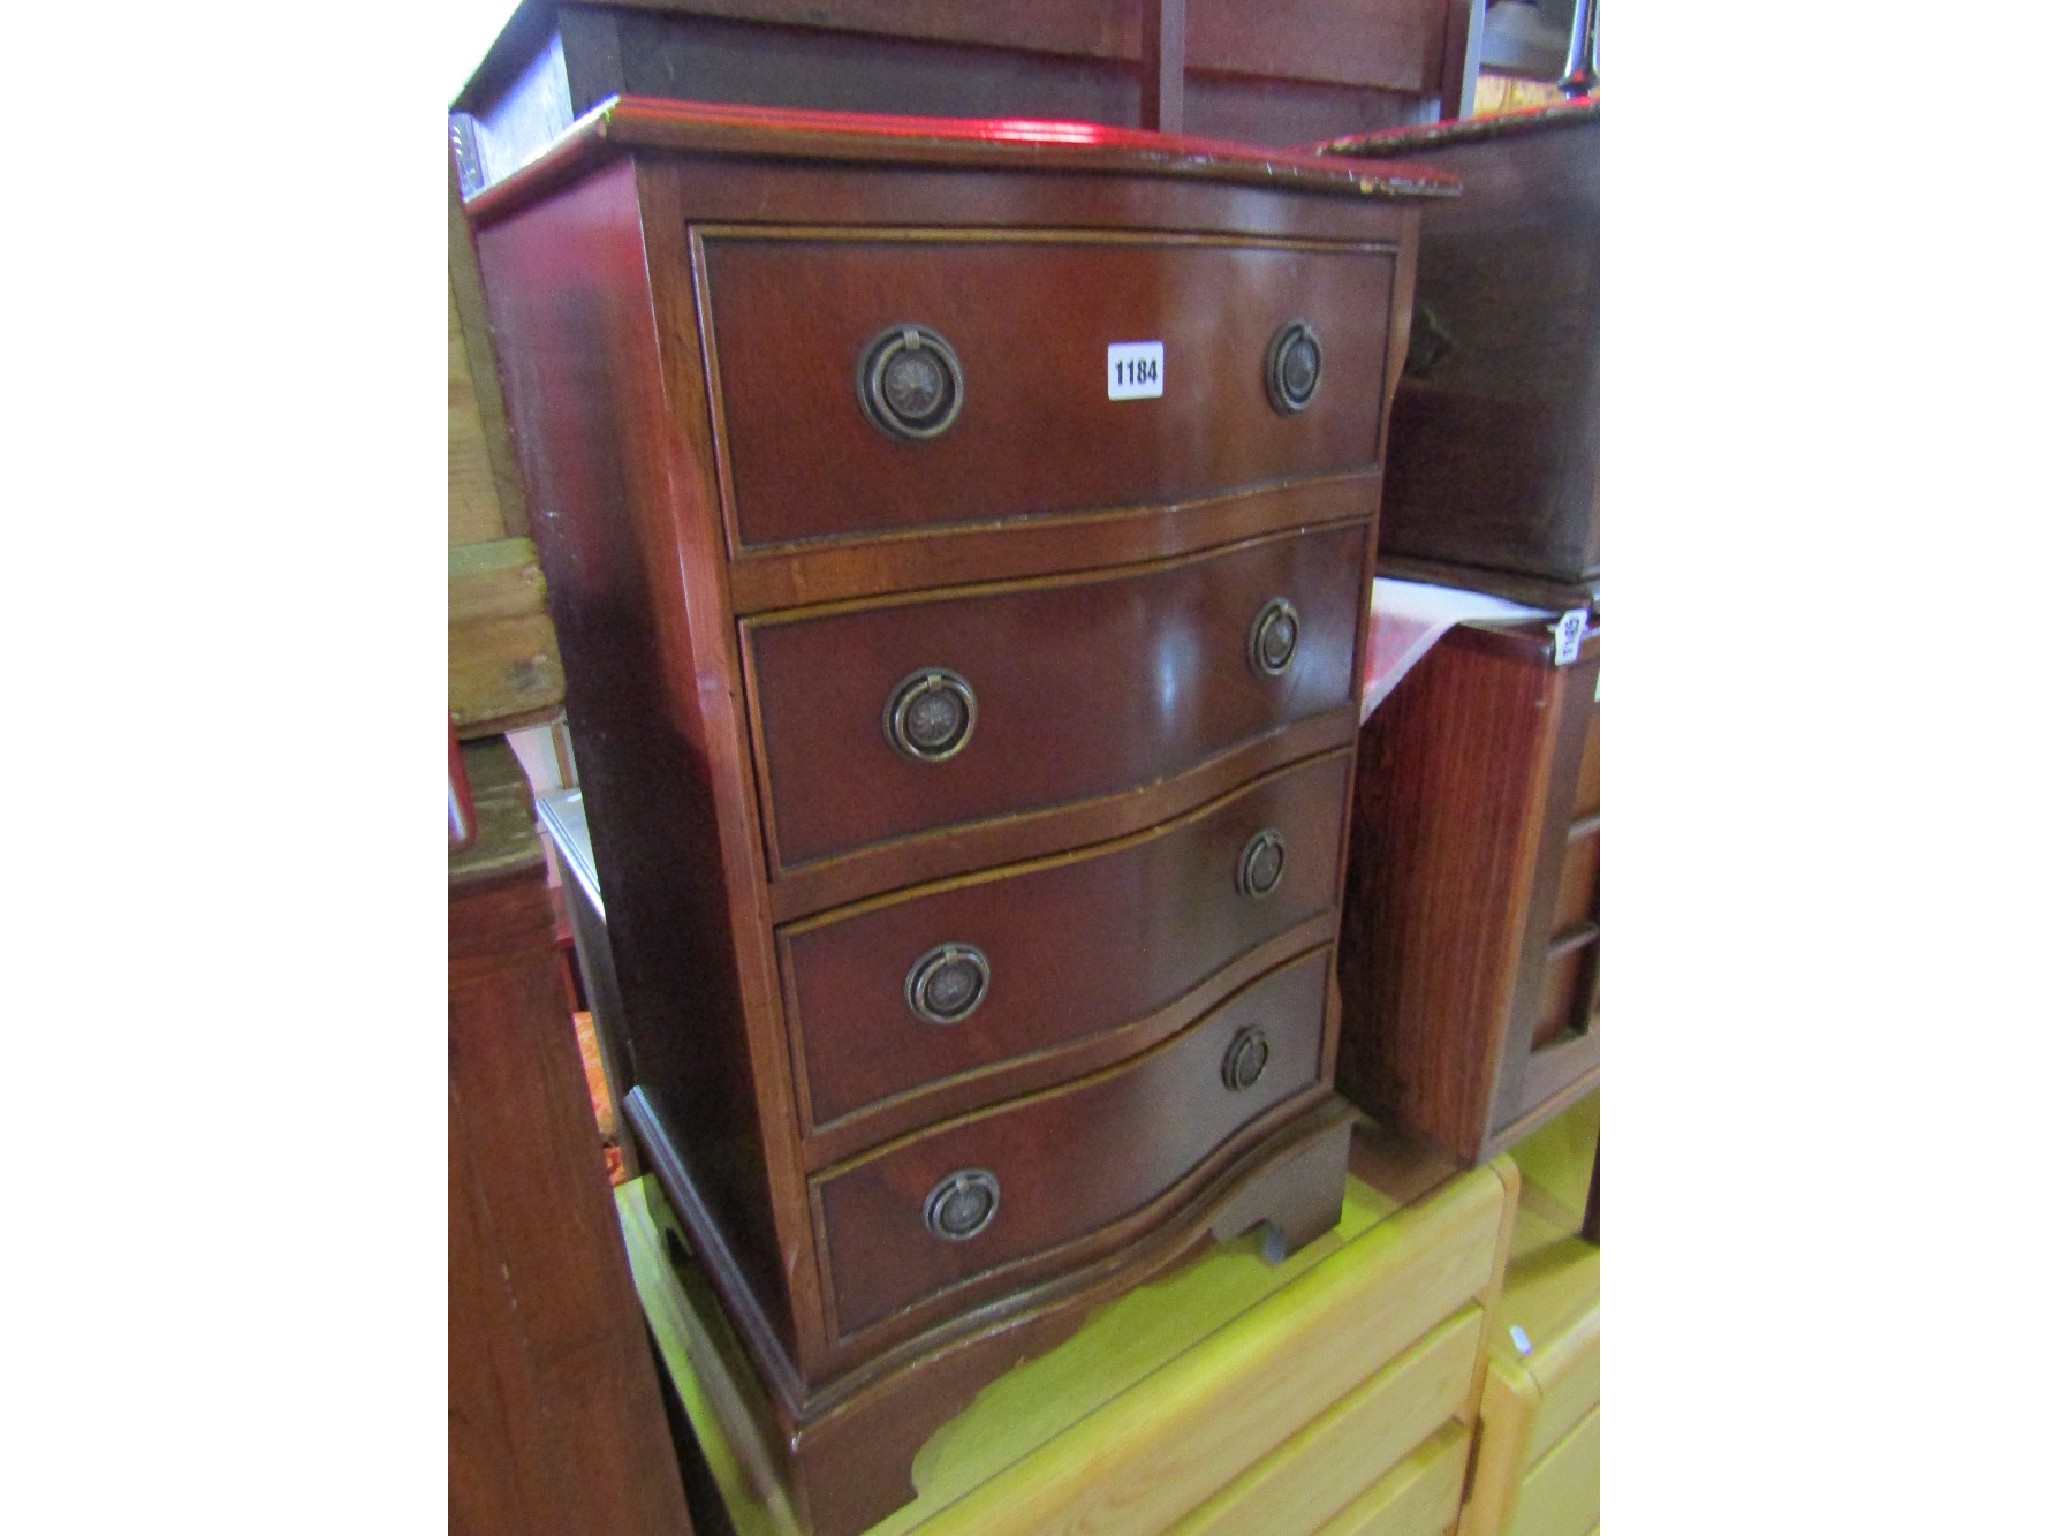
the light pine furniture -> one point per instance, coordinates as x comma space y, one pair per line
1537, 1469
1334, 1393
957, 537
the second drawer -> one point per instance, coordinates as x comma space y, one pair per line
972, 974
975, 1195
884, 720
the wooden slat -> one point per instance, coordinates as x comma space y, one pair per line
504, 667
1082, 28
485, 499
1397, 47
1506, 1409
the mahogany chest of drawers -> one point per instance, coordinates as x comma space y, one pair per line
958, 537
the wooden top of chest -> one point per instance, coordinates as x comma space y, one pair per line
1422, 138
761, 133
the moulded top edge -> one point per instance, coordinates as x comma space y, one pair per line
1026, 144
1423, 137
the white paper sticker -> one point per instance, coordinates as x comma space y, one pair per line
1570, 629
1137, 370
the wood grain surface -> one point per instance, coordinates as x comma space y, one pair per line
741, 793
554, 1425
792, 313
1085, 686
1076, 945
1467, 997
1070, 1160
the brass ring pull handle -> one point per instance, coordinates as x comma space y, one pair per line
1275, 633
1245, 1061
1261, 865
910, 385
946, 984
930, 715
962, 1204
1294, 366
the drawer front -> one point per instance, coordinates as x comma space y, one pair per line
1026, 961
1079, 688
1028, 324
1059, 1165
1586, 797
1561, 1494
1578, 883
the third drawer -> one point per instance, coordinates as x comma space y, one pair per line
969, 976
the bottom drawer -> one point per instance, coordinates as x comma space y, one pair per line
1338, 1458
1417, 1498
1561, 1494
943, 1207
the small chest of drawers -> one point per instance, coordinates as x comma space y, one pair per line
966, 729
1470, 965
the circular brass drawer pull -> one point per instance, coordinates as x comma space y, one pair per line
946, 984
1245, 1061
962, 1204
1294, 366
1275, 633
910, 385
930, 714
1261, 865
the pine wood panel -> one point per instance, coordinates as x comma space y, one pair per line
1308, 1480
1417, 1498
1561, 1495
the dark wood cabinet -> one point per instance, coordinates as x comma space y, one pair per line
554, 1414
1288, 75
1493, 453
966, 745
1470, 962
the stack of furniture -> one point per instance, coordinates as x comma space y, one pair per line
1334, 1393
958, 540
1470, 964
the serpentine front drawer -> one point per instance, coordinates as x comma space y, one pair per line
975, 1195
834, 420
885, 720
949, 986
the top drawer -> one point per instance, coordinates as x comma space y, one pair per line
1028, 321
